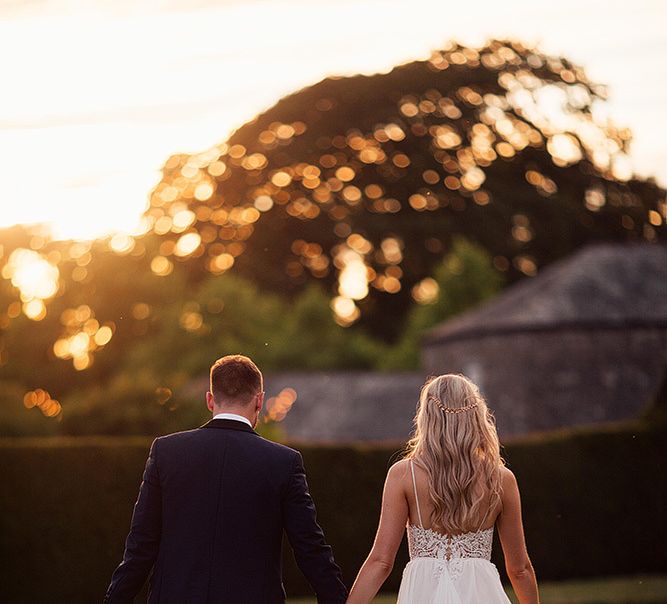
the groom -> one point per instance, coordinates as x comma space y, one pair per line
213, 505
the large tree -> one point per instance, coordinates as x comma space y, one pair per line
500, 144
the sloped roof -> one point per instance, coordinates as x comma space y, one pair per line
602, 285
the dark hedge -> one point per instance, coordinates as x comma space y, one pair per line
593, 503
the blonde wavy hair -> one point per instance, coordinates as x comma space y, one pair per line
456, 443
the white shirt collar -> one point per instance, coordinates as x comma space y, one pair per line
234, 416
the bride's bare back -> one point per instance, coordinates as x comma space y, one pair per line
455, 443
421, 502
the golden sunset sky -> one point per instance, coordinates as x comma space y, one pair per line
97, 94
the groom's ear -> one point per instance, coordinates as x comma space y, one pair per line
209, 401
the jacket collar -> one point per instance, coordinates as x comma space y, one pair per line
230, 424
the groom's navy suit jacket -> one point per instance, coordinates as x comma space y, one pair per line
209, 521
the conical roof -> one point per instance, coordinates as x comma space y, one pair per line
602, 285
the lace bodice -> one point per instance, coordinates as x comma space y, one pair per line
427, 543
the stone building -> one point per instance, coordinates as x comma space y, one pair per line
584, 341
347, 406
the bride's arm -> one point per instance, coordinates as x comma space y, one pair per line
510, 531
380, 561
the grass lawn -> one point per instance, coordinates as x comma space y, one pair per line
621, 590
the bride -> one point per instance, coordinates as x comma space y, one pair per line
452, 489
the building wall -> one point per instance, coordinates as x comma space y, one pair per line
347, 406
550, 379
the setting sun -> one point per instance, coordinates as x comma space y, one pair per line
92, 112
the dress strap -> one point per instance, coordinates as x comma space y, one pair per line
414, 486
483, 520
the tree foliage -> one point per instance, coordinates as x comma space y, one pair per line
393, 166
464, 279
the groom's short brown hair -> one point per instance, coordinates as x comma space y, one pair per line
235, 378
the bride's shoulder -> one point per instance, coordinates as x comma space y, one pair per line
399, 470
398, 476
508, 482
507, 476
505, 472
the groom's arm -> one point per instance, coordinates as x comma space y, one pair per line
313, 556
143, 541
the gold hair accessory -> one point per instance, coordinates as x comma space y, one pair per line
445, 409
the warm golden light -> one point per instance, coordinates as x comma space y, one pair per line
352, 281
187, 244
345, 310
594, 199
141, 311
281, 179
445, 137
277, 407
203, 191
34, 309
473, 179
83, 336
103, 336
182, 220
221, 262
263, 203
391, 250
426, 291
429, 150
42, 400
161, 266
78, 344
119, 123
121, 243
564, 148
526, 265
191, 320
32, 274
345, 174
655, 218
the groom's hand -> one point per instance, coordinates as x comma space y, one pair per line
313, 555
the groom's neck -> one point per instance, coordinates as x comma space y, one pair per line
242, 411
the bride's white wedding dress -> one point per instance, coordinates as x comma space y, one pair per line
449, 569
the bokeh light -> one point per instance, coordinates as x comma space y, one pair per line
352, 282
36, 278
82, 337
277, 407
41, 399
426, 291
345, 310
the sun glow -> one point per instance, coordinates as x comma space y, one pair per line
35, 278
84, 133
